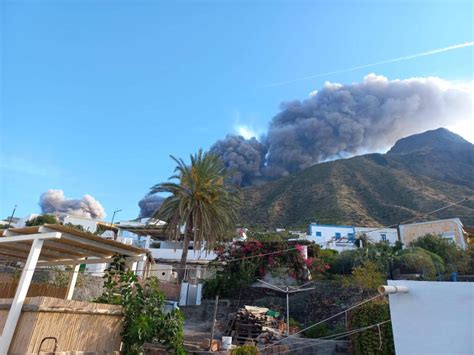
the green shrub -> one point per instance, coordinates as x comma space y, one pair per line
245, 350
42, 219
369, 341
454, 258
324, 330
344, 262
294, 323
420, 261
256, 259
142, 305
328, 256
366, 277
318, 331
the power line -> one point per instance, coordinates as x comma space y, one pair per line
328, 318
335, 336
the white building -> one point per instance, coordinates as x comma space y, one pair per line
342, 238
377, 235
89, 224
334, 237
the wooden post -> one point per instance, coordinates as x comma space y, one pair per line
72, 282
20, 295
213, 323
287, 312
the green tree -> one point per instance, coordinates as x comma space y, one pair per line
199, 200
420, 261
42, 219
367, 277
454, 257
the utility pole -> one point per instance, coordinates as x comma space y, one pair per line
213, 322
11, 217
112, 223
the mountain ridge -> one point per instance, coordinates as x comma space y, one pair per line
419, 174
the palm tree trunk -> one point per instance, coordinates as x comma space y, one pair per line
184, 256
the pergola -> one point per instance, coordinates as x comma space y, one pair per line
54, 244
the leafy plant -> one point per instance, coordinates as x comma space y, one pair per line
366, 277
420, 261
142, 303
255, 259
324, 329
294, 323
42, 219
318, 331
376, 340
245, 350
454, 258
75, 226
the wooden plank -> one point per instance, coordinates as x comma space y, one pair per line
52, 255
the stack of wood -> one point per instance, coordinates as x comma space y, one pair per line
251, 325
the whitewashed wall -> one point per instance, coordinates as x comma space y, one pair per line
433, 317
376, 234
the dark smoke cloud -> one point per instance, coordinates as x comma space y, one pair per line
368, 116
54, 202
243, 158
149, 204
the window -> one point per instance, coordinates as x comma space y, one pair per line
384, 237
350, 236
318, 234
338, 235
449, 235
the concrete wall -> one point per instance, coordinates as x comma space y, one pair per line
88, 224
328, 234
376, 235
447, 228
171, 255
433, 317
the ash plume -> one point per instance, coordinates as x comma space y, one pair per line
54, 202
243, 158
342, 120
149, 204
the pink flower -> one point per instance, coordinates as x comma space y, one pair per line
299, 247
309, 262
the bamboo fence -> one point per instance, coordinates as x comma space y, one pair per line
72, 325
7, 290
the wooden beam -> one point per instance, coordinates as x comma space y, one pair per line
88, 261
45, 253
85, 249
11, 237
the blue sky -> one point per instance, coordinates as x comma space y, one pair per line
95, 95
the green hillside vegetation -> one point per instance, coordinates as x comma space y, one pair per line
372, 189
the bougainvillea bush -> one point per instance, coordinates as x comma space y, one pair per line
241, 263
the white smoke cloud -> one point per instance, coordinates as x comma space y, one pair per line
245, 131
53, 201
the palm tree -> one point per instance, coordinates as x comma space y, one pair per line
200, 201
